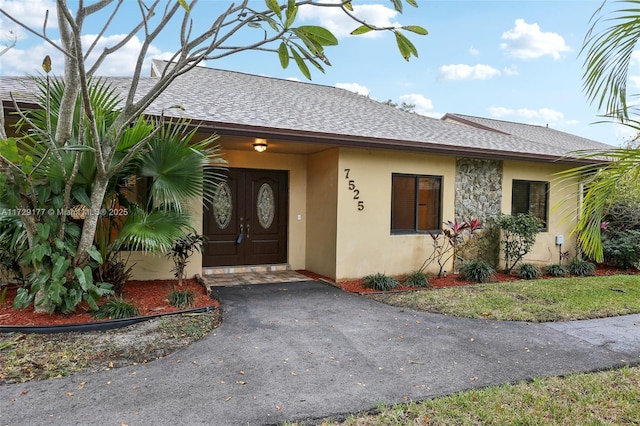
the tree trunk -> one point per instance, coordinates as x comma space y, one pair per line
98, 191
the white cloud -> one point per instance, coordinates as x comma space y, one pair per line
473, 51
29, 12
468, 72
423, 105
336, 21
527, 41
354, 87
545, 115
120, 63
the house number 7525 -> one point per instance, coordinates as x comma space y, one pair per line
352, 187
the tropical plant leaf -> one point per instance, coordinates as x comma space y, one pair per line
362, 29
416, 29
304, 69
291, 13
405, 46
153, 231
319, 35
184, 5
46, 64
283, 54
274, 7
608, 54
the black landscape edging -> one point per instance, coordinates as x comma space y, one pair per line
94, 326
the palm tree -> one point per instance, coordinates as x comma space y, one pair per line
608, 51
58, 182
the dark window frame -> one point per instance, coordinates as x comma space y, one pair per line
415, 230
528, 183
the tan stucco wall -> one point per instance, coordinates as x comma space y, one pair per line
563, 203
322, 209
155, 266
297, 167
364, 241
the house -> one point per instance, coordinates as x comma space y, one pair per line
333, 182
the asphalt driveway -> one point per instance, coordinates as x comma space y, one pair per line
309, 351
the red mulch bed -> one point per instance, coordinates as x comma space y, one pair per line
149, 296
452, 280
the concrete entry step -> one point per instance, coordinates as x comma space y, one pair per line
239, 269
242, 278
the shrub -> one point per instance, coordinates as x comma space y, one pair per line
116, 308
477, 271
529, 271
519, 235
446, 244
181, 298
622, 248
556, 270
181, 250
380, 282
581, 268
114, 271
416, 279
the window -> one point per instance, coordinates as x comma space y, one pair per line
415, 203
530, 196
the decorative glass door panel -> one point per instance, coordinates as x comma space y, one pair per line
246, 224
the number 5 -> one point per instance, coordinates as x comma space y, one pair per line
360, 205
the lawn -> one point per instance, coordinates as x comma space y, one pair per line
555, 299
604, 398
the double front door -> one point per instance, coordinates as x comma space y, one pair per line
246, 223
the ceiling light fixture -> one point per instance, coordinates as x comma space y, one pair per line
260, 145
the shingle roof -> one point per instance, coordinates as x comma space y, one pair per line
304, 111
535, 133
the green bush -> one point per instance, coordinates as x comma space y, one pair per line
416, 279
529, 271
581, 268
116, 308
181, 298
556, 270
519, 235
380, 282
622, 248
477, 271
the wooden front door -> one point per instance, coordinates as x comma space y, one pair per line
246, 224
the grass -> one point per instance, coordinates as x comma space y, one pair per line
27, 357
555, 299
604, 398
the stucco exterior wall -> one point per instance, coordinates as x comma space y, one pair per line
155, 266
365, 244
562, 203
322, 208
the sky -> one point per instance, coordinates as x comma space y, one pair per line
509, 60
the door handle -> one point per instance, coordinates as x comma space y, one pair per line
241, 235
248, 228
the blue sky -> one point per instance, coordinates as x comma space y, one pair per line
510, 60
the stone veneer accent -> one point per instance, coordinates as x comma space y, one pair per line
479, 196
478, 189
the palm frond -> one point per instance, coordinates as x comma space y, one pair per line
601, 181
181, 169
608, 52
153, 231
